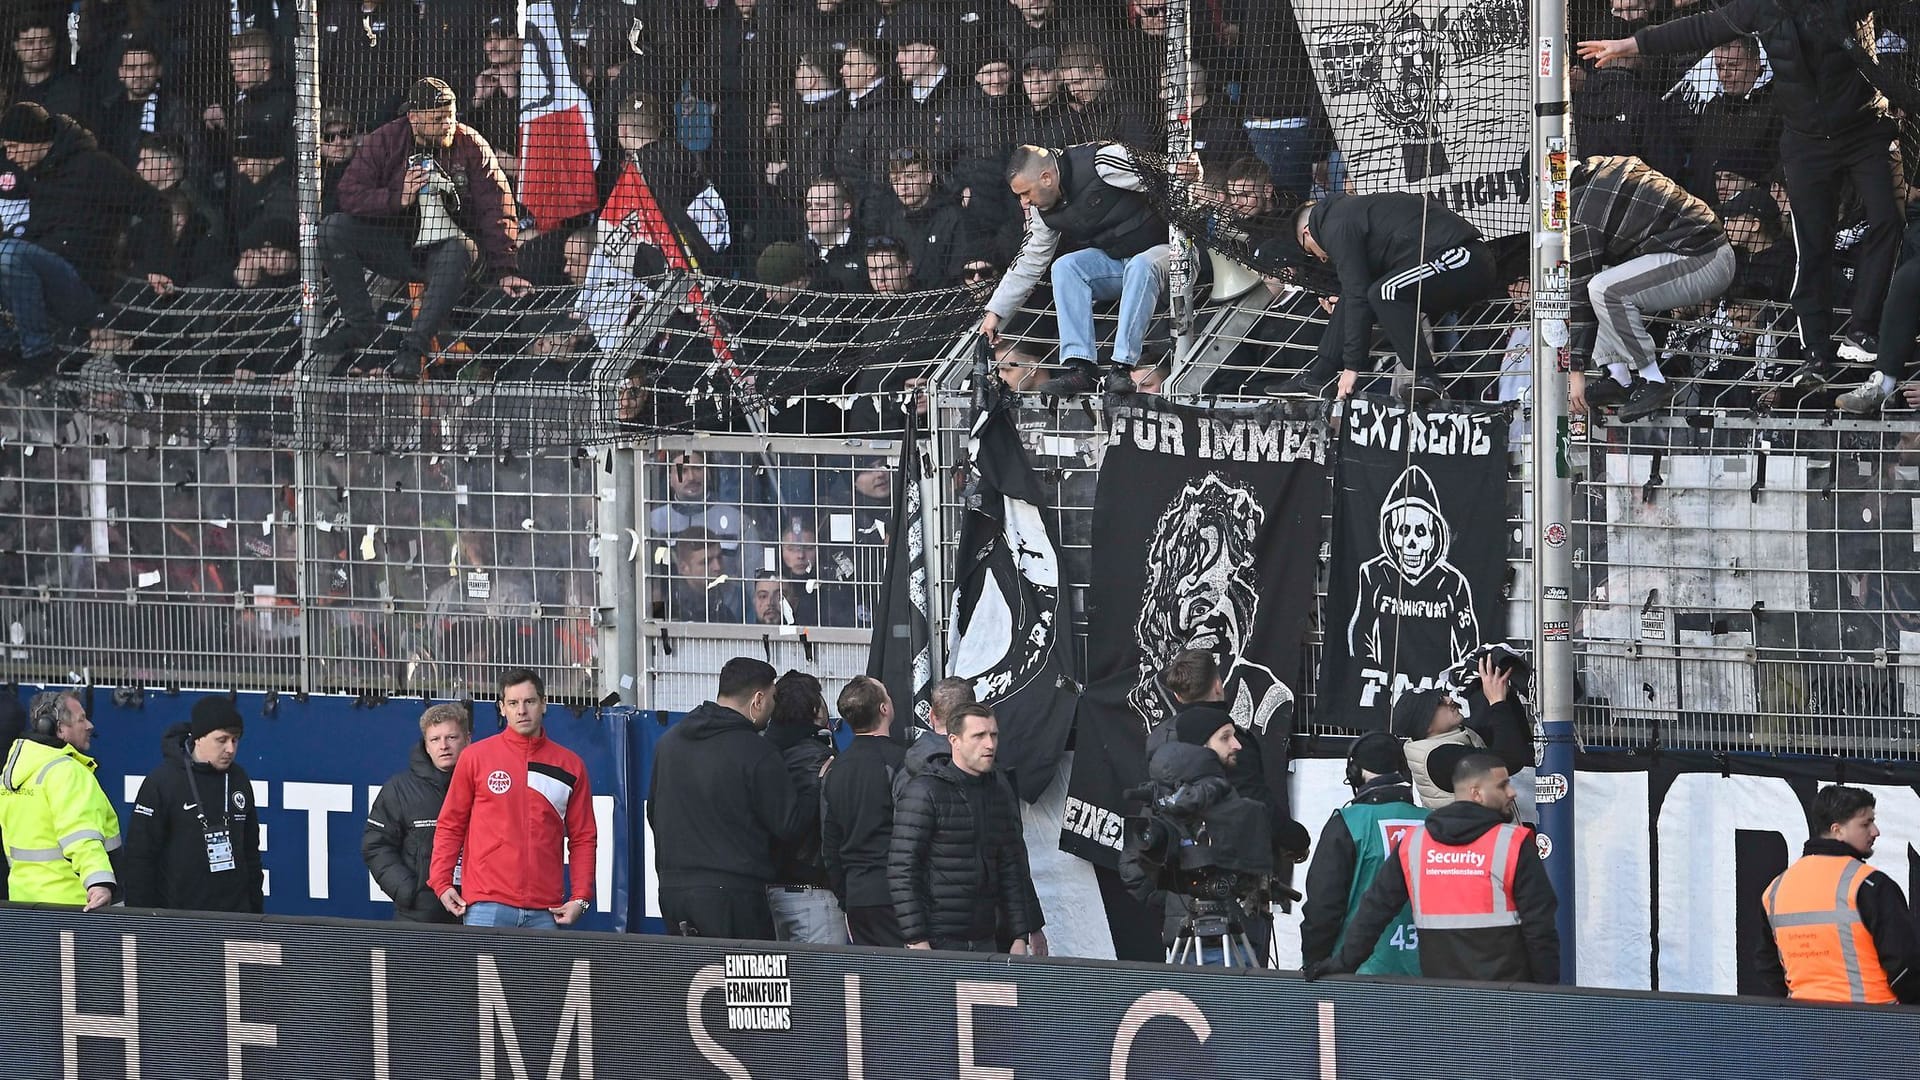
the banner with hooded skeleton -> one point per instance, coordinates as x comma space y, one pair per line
1206, 526
1417, 575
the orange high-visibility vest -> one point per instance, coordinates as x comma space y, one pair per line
1826, 950
1462, 888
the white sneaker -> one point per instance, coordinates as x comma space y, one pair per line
1865, 399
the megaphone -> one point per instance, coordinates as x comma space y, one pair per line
1231, 280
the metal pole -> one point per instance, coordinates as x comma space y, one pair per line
622, 654
1179, 103
306, 129
1552, 475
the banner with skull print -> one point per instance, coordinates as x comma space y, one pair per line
1429, 96
1417, 576
1206, 524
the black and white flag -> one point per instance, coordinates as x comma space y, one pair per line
1206, 527
1005, 631
1420, 531
901, 655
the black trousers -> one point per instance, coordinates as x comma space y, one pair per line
717, 911
1815, 170
1900, 321
874, 925
351, 246
1453, 280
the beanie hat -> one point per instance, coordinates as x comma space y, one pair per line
1414, 711
1196, 726
27, 122
429, 93
211, 714
782, 263
1379, 752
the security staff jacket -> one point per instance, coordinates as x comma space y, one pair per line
61, 832
1480, 899
1837, 930
1352, 848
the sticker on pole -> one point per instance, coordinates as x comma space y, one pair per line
1544, 843
1549, 788
1556, 534
1556, 630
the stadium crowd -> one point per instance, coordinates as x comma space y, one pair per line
840, 147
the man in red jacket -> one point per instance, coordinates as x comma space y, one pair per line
519, 797
425, 157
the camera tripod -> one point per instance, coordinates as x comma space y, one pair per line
1212, 935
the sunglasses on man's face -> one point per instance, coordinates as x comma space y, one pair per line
979, 273
1156, 11
337, 135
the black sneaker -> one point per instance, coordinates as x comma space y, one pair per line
1859, 347
344, 340
1645, 399
1605, 392
406, 364
1119, 381
1308, 383
1081, 377
1814, 374
1425, 390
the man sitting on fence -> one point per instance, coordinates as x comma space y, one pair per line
423, 200
1091, 195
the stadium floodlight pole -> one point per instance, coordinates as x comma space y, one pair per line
1178, 87
1552, 461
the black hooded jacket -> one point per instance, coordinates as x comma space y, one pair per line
720, 802
856, 820
957, 868
81, 199
180, 803
1367, 237
1529, 952
1822, 93
804, 748
398, 842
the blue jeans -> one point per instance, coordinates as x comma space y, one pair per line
811, 915
1091, 274
489, 913
1288, 155
36, 288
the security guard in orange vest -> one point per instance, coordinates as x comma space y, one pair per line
1473, 881
1837, 929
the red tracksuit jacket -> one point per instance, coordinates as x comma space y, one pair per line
510, 804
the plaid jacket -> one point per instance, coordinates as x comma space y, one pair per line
1622, 209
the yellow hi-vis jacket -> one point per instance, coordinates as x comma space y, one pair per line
57, 824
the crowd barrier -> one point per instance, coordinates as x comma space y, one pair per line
137, 994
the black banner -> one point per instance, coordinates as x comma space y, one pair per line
1419, 553
1207, 527
1006, 599
901, 655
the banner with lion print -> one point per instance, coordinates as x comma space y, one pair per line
1206, 527
1418, 566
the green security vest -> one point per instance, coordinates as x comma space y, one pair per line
1376, 828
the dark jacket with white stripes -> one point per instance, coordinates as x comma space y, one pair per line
1369, 237
398, 842
1623, 209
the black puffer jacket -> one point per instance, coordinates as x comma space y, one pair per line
955, 865
930, 748
398, 842
805, 749
166, 850
1820, 92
